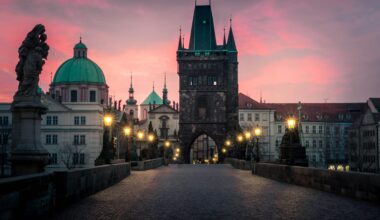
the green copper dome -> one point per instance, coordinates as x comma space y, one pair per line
79, 69
153, 98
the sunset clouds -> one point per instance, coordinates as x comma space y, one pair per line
288, 50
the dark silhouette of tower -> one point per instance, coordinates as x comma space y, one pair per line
208, 75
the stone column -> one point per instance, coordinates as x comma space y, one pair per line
28, 154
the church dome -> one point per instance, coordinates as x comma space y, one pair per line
79, 69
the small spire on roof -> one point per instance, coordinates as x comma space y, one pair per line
224, 37
183, 41
80, 39
131, 79
180, 43
153, 85
165, 81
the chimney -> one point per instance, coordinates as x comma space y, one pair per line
119, 106
124, 107
176, 104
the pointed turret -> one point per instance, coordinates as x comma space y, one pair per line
224, 38
165, 100
131, 100
180, 44
231, 46
202, 31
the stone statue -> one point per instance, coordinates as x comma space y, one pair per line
28, 154
32, 55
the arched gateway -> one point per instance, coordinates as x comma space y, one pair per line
208, 83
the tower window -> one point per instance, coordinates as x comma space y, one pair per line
92, 96
73, 96
202, 107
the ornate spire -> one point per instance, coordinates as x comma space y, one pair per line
180, 40
153, 86
131, 100
231, 46
224, 37
165, 93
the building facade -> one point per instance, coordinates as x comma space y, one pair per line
364, 146
323, 126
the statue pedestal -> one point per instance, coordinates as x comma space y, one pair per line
28, 155
293, 154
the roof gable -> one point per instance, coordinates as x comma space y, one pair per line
153, 98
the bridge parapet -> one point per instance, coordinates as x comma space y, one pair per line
36, 195
363, 186
147, 164
238, 164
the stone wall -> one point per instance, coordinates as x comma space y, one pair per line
73, 185
34, 196
147, 164
357, 185
238, 164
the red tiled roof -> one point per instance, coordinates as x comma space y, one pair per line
340, 112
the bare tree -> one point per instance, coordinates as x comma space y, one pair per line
66, 155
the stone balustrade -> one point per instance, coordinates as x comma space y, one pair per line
238, 164
36, 195
364, 186
147, 164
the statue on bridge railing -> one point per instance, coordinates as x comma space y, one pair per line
291, 150
28, 154
32, 55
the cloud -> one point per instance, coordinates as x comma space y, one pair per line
289, 50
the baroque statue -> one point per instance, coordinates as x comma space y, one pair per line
32, 55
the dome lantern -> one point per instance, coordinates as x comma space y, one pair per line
80, 50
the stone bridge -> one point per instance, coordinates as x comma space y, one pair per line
213, 192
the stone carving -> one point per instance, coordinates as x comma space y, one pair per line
32, 55
28, 154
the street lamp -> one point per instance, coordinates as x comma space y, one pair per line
108, 120
224, 150
291, 123
258, 132
239, 138
167, 145
127, 132
228, 143
247, 136
150, 137
140, 137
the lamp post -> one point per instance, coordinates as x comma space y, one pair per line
107, 133
167, 144
127, 133
239, 139
140, 137
247, 136
257, 131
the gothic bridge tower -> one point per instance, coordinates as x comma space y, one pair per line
208, 83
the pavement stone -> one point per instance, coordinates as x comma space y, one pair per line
213, 192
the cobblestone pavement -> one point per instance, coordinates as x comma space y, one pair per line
213, 192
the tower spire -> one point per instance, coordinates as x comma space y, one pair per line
231, 46
165, 100
224, 37
180, 39
153, 85
131, 100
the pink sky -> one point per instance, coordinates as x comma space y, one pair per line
289, 51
